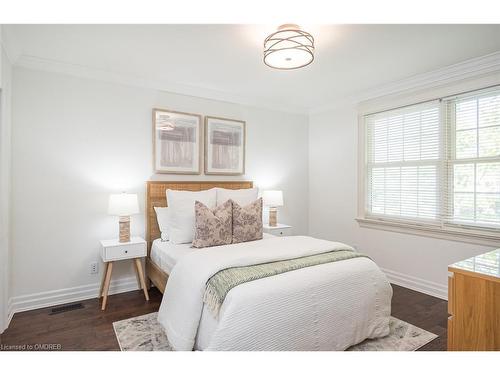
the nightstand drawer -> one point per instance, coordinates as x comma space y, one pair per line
280, 232
135, 250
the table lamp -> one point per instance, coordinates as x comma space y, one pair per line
123, 205
273, 199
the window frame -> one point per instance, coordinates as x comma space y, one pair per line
452, 160
444, 228
400, 164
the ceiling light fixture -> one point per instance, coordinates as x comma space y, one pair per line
289, 48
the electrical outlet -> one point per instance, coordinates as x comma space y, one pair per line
94, 268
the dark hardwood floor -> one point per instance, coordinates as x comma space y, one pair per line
424, 311
90, 328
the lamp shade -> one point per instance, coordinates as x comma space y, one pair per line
289, 48
123, 204
273, 198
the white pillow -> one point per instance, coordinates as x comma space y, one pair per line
241, 196
162, 218
181, 212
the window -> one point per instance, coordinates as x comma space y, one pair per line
474, 159
403, 162
435, 164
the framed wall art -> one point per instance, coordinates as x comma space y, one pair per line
224, 146
176, 142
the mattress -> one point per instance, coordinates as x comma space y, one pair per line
330, 306
166, 254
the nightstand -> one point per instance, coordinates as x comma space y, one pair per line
112, 251
279, 230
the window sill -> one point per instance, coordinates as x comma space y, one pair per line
450, 234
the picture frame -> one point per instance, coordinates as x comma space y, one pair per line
177, 142
224, 146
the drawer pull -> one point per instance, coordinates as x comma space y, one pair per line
126, 251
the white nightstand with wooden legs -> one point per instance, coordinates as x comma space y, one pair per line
112, 251
279, 230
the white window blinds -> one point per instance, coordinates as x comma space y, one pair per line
473, 152
403, 156
436, 163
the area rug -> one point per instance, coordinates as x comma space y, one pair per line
144, 333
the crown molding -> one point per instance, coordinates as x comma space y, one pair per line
467, 69
451, 74
81, 71
340, 103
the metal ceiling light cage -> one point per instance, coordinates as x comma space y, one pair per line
289, 48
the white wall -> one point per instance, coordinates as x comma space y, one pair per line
413, 261
5, 170
76, 140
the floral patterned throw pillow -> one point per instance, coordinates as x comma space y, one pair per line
213, 227
247, 222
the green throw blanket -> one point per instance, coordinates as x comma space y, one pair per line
219, 285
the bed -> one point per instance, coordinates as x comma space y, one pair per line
329, 306
165, 255
155, 197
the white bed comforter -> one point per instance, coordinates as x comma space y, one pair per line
327, 307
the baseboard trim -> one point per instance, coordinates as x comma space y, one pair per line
414, 283
10, 312
6, 317
61, 296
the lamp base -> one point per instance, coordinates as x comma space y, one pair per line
124, 229
273, 217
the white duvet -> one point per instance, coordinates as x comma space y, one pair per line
326, 307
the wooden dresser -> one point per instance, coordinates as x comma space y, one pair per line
474, 303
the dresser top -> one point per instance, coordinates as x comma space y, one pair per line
116, 242
487, 264
278, 226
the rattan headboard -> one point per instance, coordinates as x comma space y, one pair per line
156, 197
